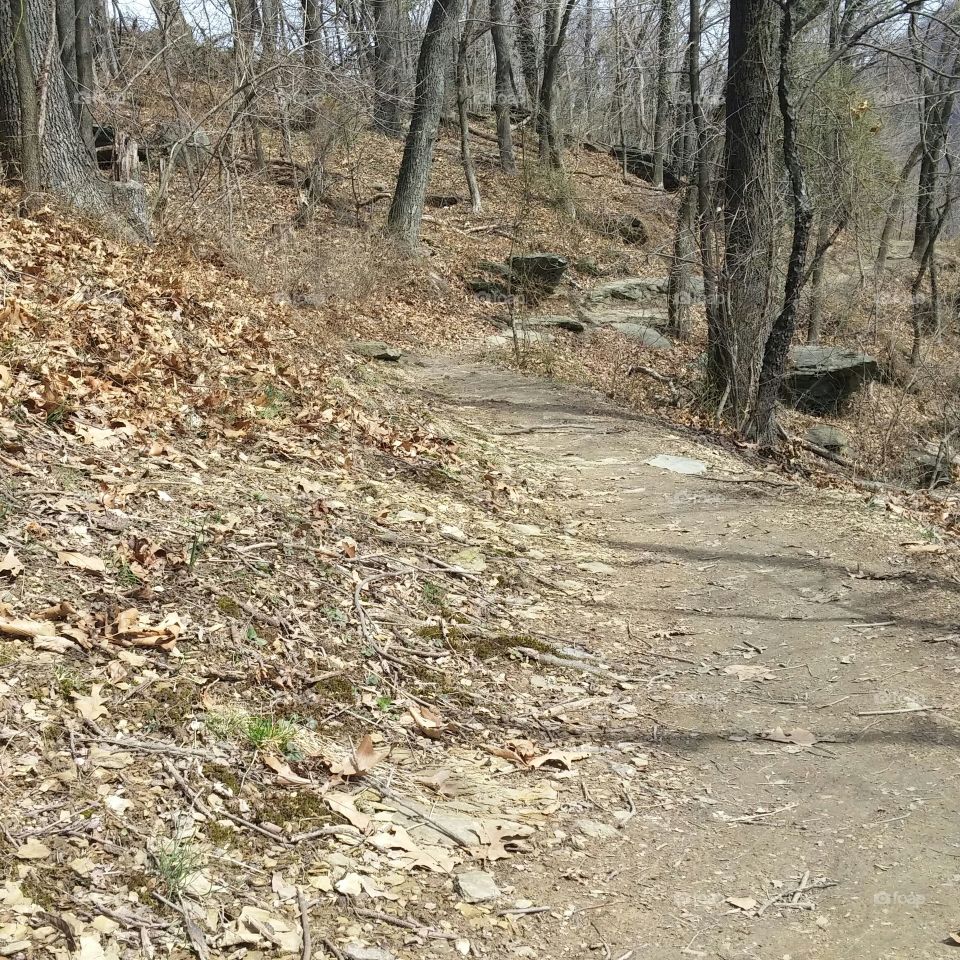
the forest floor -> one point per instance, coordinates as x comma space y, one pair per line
308, 655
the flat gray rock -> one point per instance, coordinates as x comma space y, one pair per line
634, 289
597, 830
830, 438
376, 350
650, 337
821, 379
685, 465
571, 323
476, 886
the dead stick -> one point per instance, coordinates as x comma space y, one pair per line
307, 950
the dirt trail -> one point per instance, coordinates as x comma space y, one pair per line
738, 607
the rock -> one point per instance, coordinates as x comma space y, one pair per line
597, 830
685, 465
356, 951
640, 164
830, 438
647, 316
538, 272
630, 229
634, 289
495, 290
573, 324
822, 379
647, 336
528, 337
376, 350
475, 886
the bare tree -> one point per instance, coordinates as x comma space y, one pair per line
556, 22
406, 209
662, 105
735, 351
501, 102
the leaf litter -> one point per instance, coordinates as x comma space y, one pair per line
264, 629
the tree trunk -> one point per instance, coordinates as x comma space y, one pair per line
67, 39
701, 164
763, 421
501, 104
57, 161
406, 210
555, 31
527, 47
386, 67
85, 80
896, 205
172, 22
662, 114
466, 157
750, 202
313, 56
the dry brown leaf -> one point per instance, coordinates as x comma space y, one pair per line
92, 706
345, 805
285, 775
428, 721
81, 561
364, 758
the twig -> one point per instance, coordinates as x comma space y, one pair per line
195, 800
890, 713
333, 948
802, 887
307, 950
404, 924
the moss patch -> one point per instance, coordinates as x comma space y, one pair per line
299, 808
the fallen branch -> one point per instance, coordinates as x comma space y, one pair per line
556, 661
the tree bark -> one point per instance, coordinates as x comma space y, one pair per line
57, 162
662, 114
556, 21
763, 422
85, 80
387, 116
406, 210
466, 156
501, 104
750, 203
527, 47
67, 40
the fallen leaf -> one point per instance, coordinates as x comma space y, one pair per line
11, 565
562, 758
91, 707
344, 804
748, 671
427, 721
747, 904
33, 850
285, 775
81, 561
364, 758
27, 628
